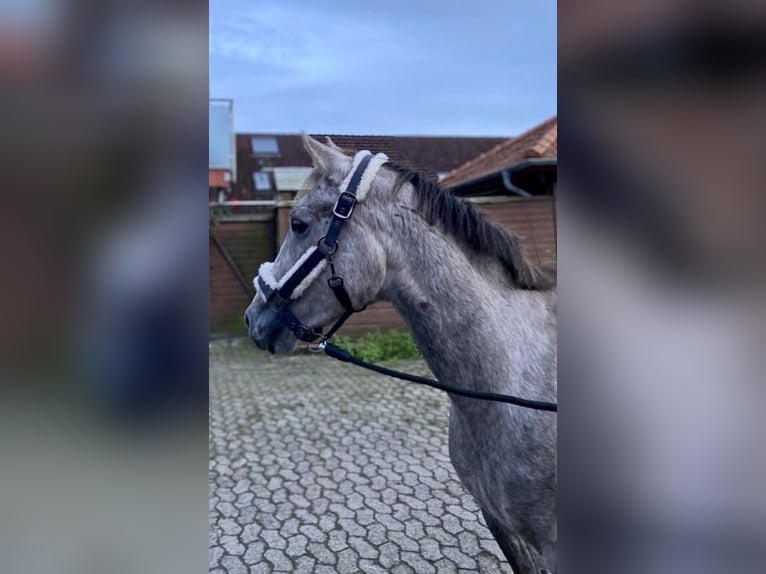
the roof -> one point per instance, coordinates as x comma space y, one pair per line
428, 154
540, 141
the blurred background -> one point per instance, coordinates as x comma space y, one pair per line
661, 266
104, 308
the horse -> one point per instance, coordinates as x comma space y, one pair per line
482, 315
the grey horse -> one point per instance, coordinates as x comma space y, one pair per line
483, 316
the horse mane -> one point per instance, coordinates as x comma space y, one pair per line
462, 221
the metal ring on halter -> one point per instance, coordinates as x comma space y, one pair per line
317, 347
334, 247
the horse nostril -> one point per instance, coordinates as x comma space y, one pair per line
247, 321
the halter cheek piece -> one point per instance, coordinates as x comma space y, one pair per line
279, 294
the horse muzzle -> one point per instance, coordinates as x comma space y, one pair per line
267, 331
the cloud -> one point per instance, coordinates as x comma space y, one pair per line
402, 67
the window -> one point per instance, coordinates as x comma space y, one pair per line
264, 145
261, 181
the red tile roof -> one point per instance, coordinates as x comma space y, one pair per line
538, 142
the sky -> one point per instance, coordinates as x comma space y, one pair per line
418, 67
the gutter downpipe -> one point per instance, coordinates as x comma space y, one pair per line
506, 174
510, 186
509, 171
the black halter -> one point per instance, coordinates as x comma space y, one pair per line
279, 299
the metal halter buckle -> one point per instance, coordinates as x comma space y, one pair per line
344, 211
335, 281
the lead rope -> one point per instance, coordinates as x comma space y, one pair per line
336, 352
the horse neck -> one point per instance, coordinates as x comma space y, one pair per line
472, 327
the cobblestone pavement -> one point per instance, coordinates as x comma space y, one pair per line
321, 467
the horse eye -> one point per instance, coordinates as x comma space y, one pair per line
298, 226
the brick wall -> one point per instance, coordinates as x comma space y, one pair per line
533, 220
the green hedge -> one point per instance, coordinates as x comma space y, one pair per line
380, 346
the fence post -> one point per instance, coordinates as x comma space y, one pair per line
284, 204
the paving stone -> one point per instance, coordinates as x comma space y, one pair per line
441, 535
214, 556
403, 541
316, 467
389, 555
289, 527
341, 511
363, 548
232, 545
262, 568
296, 545
451, 524
273, 539
489, 563
322, 553
338, 540
313, 533
233, 565
327, 523
348, 562
391, 523
244, 500
426, 518
230, 526
352, 527
469, 543
445, 566
419, 563
278, 559
430, 549
376, 534
227, 509
460, 559
370, 567
305, 565
403, 569
254, 554
241, 487
414, 529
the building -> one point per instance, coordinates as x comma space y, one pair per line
523, 166
271, 164
514, 184
222, 159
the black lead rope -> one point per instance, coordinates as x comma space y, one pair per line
332, 350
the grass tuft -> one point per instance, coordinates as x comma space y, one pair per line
380, 346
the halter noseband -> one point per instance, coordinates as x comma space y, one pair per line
280, 293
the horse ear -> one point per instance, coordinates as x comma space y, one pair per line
332, 144
325, 158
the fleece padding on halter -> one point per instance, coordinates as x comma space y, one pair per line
368, 176
266, 270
